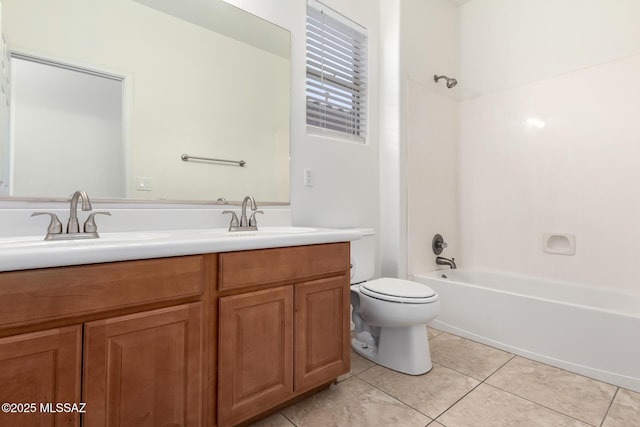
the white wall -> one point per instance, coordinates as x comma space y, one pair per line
430, 46
578, 174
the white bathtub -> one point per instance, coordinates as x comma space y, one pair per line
587, 330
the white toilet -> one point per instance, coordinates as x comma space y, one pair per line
390, 315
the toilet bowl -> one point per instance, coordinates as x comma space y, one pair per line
389, 314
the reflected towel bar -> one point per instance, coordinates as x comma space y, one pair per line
187, 157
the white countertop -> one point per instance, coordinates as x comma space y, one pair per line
21, 253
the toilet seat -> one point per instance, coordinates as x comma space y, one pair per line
398, 290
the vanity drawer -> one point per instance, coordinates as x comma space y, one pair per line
261, 266
36, 295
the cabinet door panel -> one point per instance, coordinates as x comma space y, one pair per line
322, 350
41, 368
145, 369
255, 353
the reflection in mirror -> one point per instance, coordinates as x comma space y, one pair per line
55, 111
180, 87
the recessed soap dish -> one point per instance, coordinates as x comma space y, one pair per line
559, 243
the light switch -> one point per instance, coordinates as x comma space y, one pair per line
144, 183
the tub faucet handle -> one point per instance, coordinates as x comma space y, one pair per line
438, 244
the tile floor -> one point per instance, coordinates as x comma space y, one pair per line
470, 385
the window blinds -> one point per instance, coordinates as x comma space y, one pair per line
336, 72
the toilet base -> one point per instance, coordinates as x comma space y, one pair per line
413, 359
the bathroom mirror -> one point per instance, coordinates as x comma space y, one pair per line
197, 77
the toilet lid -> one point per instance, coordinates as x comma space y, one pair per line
398, 290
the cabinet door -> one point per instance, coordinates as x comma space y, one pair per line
255, 353
41, 368
144, 369
322, 350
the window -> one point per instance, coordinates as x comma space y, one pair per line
336, 73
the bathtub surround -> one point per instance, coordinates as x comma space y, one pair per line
538, 136
577, 172
575, 175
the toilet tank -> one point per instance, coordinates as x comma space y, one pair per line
363, 256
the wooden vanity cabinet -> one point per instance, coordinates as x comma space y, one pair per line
255, 353
322, 324
40, 368
183, 341
289, 336
144, 369
133, 331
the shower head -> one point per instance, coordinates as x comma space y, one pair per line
451, 82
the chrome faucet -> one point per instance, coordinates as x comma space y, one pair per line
440, 260
72, 225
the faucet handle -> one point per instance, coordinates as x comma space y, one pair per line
90, 224
55, 226
234, 219
438, 244
252, 219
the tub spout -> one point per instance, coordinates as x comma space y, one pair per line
446, 261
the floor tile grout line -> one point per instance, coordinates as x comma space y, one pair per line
478, 385
445, 366
609, 408
397, 398
544, 406
514, 356
541, 405
287, 418
416, 409
456, 402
